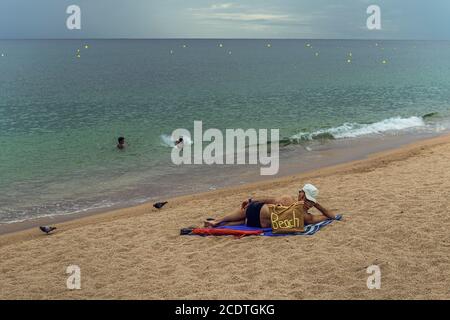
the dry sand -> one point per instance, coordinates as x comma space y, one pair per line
396, 207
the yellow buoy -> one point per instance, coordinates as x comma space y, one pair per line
86, 46
317, 54
184, 46
269, 45
349, 61
78, 56
229, 52
350, 54
220, 45
308, 45
384, 62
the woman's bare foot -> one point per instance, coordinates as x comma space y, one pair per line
211, 223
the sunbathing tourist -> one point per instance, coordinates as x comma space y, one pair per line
256, 213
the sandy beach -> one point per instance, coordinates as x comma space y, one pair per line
395, 207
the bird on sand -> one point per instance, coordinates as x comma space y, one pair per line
159, 205
47, 229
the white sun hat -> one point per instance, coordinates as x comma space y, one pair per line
311, 192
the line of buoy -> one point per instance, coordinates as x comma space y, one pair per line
268, 45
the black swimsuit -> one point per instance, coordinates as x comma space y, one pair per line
253, 213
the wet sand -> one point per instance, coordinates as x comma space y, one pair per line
395, 207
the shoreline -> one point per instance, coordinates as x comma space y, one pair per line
326, 154
27, 228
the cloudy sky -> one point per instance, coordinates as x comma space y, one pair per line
342, 19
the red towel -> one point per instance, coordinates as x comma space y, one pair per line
225, 232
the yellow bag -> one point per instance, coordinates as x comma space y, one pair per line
287, 219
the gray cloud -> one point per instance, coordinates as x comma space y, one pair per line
401, 19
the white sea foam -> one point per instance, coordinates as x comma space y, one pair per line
167, 141
352, 130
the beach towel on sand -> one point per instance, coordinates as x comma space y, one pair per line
243, 230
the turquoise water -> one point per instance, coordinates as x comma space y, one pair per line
60, 114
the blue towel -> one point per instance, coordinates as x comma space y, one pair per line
309, 229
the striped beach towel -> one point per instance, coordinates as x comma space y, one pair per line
243, 230
309, 229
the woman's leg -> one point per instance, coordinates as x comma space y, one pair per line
234, 223
236, 218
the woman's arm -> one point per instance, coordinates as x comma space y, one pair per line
324, 211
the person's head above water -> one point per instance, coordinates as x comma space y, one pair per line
121, 142
308, 194
180, 140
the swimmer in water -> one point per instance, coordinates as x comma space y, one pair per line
179, 142
121, 143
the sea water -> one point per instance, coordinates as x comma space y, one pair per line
63, 105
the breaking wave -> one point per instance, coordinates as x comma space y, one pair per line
352, 130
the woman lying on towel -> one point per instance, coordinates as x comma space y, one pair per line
256, 213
